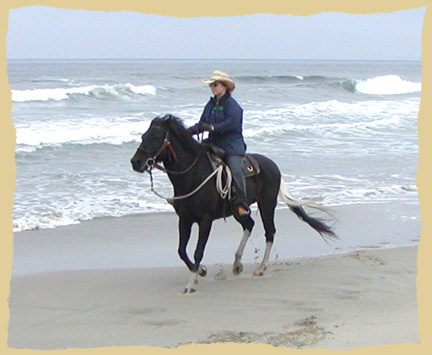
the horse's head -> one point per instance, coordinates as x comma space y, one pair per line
155, 145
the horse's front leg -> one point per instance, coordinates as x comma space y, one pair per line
197, 269
185, 227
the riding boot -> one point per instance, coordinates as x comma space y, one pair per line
235, 163
240, 207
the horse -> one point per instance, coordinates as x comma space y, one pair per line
197, 199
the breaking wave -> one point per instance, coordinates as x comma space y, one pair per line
382, 85
283, 78
95, 92
119, 130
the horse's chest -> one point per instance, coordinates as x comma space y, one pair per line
196, 208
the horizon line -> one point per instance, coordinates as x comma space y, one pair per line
223, 59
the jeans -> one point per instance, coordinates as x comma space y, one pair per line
235, 163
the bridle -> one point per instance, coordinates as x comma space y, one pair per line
223, 190
151, 162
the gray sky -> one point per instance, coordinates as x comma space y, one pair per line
43, 32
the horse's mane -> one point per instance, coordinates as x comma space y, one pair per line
176, 125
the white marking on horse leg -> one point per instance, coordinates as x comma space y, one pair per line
265, 261
238, 266
192, 282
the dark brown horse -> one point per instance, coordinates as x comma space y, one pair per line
187, 165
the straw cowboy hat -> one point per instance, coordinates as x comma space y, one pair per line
219, 75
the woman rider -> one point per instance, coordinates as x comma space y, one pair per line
223, 119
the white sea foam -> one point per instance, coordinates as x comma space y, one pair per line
330, 116
322, 109
93, 91
87, 131
278, 128
335, 190
85, 208
407, 193
315, 117
387, 85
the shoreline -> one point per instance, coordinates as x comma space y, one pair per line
150, 240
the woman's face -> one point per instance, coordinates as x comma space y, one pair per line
217, 88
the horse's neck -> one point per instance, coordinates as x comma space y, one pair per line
185, 171
184, 166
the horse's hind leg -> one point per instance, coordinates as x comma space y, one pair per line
267, 210
238, 266
247, 223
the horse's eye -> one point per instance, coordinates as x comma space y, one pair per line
159, 134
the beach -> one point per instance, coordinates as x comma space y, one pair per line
91, 284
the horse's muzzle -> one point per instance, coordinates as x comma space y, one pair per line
137, 165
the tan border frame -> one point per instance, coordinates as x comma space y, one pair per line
195, 8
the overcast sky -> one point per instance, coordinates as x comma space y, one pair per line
43, 32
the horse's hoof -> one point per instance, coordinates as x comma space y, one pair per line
258, 273
189, 290
237, 269
202, 271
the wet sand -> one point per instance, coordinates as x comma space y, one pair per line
346, 299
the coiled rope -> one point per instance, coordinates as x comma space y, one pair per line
223, 190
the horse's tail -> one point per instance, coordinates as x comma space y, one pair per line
297, 205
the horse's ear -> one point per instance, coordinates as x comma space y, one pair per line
168, 120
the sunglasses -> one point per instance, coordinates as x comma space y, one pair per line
213, 85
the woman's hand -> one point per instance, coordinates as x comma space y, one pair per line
200, 127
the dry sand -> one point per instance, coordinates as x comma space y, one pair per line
365, 297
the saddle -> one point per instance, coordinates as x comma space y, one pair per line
217, 155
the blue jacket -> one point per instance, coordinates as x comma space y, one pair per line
226, 116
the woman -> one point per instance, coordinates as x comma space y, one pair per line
223, 119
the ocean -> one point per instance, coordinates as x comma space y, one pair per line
342, 132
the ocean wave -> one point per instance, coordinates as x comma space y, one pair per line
336, 189
86, 212
312, 118
382, 85
90, 131
96, 92
49, 80
337, 126
88, 209
401, 193
330, 116
282, 78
